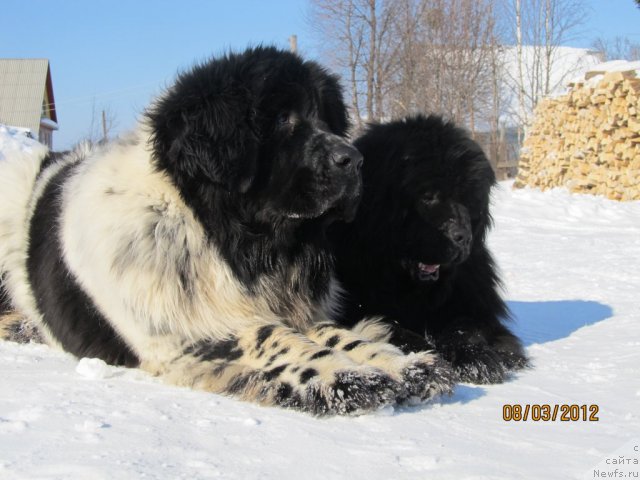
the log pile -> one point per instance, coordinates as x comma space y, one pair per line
587, 140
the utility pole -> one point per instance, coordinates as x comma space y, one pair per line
293, 43
521, 107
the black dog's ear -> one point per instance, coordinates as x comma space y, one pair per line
207, 138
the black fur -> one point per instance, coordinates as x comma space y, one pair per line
332, 341
307, 374
274, 161
275, 372
67, 311
5, 303
426, 204
263, 334
320, 354
214, 350
350, 346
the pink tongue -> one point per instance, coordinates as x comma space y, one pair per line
428, 268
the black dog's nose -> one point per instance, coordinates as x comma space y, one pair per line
345, 156
459, 235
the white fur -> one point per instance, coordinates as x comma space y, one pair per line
143, 296
19, 168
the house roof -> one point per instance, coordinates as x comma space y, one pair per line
25, 85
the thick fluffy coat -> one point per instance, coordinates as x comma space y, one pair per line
195, 247
416, 252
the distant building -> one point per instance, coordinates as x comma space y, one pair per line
26, 97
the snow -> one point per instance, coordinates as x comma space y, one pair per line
15, 139
94, 368
47, 122
616, 66
593, 76
571, 269
566, 63
569, 66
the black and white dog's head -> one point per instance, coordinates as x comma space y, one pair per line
431, 184
262, 133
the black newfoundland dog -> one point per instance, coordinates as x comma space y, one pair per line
416, 251
196, 248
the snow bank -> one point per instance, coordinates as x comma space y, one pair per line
616, 66
592, 76
14, 139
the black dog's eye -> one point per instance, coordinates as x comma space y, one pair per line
283, 119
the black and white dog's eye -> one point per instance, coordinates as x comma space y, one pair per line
429, 199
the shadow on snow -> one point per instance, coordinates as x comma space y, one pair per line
542, 322
534, 323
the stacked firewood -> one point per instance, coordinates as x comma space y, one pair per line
587, 140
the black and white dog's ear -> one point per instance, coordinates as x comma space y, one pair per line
210, 137
331, 102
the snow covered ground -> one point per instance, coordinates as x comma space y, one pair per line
572, 270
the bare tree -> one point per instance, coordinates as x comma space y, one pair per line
538, 29
562, 18
404, 56
335, 21
445, 58
406, 72
620, 48
356, 40
370, 65
497, 147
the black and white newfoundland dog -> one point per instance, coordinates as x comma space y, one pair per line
196, 247
416, 251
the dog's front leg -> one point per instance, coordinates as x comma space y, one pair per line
423, 374
274, 365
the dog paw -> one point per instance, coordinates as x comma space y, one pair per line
426, 376
352, 392
482, 364
480, 357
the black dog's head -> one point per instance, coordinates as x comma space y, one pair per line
262, 129
430, 183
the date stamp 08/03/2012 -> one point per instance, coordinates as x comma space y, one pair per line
550, 413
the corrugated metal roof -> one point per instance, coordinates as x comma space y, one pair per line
22, 88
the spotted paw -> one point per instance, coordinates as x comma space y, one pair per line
352, 392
